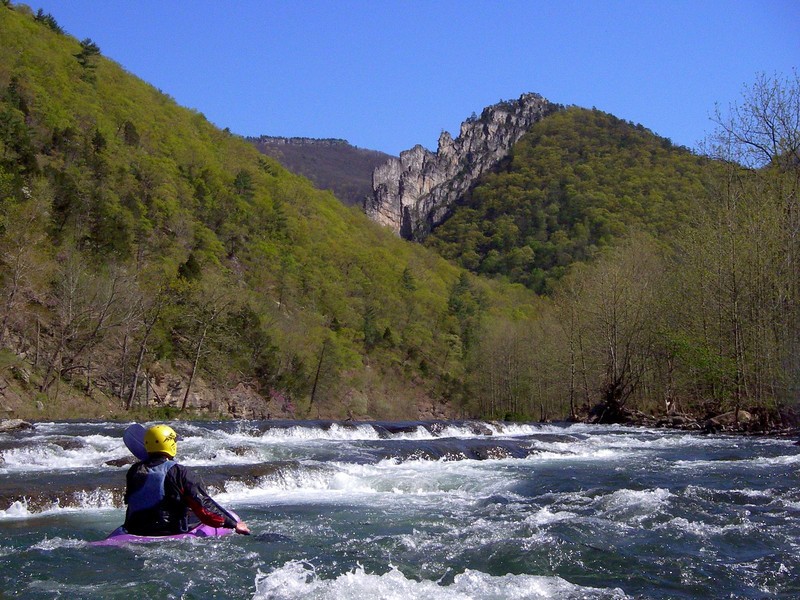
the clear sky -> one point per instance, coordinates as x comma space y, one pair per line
389, 74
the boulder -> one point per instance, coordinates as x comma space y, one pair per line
728, 419
478, 428
120, 462
7, 425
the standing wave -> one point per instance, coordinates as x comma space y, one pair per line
296, 579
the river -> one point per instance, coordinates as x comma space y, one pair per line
413, 510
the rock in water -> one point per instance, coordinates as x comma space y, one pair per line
14, 425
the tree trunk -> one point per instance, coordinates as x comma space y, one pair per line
194, 368
316, 376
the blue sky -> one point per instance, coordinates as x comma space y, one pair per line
389, 74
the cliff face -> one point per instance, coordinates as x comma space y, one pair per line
413, 193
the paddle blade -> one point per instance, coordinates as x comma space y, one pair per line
134, 440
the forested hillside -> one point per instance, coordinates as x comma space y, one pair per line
578, 181
332, 165
149, 256
693, 314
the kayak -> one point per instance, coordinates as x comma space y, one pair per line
134, 440
119, 536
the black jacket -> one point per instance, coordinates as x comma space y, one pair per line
183, 492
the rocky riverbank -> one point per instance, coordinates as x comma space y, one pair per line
786, 423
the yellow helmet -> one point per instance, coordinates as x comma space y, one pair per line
161, 438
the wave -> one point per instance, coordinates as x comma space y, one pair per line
297, 579
703, 529
69, 446
80, 501
744, 462
288, 481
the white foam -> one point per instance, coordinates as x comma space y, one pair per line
92, 500
760, 462
576, 452
365, 431
334, 432
545, 516
49, 456
707, 530
299, 580
57, 543
337, 482
634, 505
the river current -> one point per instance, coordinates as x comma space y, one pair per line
413, 510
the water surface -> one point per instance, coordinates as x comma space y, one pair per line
414, 510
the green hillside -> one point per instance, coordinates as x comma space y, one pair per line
147, 254
149, 260
688, 311
576, 182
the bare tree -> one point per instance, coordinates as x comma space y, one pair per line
208, 301
759, 214
619, 302
86, 309
24, 249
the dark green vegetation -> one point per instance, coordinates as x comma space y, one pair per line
696, 310
148, 256
577, 182
331, 165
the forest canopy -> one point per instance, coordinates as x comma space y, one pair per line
575, 183
148, 258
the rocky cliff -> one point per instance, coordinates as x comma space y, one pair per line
414, 193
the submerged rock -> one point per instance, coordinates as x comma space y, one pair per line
120, 462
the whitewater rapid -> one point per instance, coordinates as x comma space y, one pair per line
414, 510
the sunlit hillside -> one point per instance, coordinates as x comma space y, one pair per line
147, 253
579, 181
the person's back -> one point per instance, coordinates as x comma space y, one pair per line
160, 492
152, 510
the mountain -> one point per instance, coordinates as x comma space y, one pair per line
152, 265
531, 187
413, 194
577, 181
330, 164
149, 259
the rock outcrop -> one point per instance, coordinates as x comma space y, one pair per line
7, 425
414, 193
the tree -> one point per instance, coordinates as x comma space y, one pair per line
205, 305
464, 304
146, 310
87, 59
87, 307
502, 371
24, 256
49, 20
757, 220
618, 300
573, 325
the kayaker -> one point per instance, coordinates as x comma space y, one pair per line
161, 493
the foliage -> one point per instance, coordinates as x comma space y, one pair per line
579, 180
48, 20
159, 246
139, 244
706, 323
